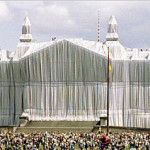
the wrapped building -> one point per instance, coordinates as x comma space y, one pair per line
66, 79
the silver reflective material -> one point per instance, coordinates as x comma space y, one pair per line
112, 33
67, 80
26, 31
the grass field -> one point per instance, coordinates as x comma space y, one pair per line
76, 148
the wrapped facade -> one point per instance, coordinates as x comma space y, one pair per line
67, 80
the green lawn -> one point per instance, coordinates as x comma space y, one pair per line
76, 148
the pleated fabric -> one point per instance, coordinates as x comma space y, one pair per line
67, 82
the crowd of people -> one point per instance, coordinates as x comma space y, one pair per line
71, 141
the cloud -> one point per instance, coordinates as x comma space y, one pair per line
24, 5
78, 19
51, 19
5, 13
50, 14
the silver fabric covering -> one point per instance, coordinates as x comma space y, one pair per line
26, 31
65, 81
112, 33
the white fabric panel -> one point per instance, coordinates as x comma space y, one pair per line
67, 82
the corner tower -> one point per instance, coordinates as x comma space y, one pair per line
26, 31
112, 32
117, 51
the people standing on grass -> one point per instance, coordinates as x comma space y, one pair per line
71, 141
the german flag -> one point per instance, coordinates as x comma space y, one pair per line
109, 67
109, 71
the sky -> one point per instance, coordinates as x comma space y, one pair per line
75, 19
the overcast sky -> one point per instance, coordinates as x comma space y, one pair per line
75, 19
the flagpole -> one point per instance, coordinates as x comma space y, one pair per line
108, 95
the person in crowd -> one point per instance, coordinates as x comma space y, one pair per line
72, 141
